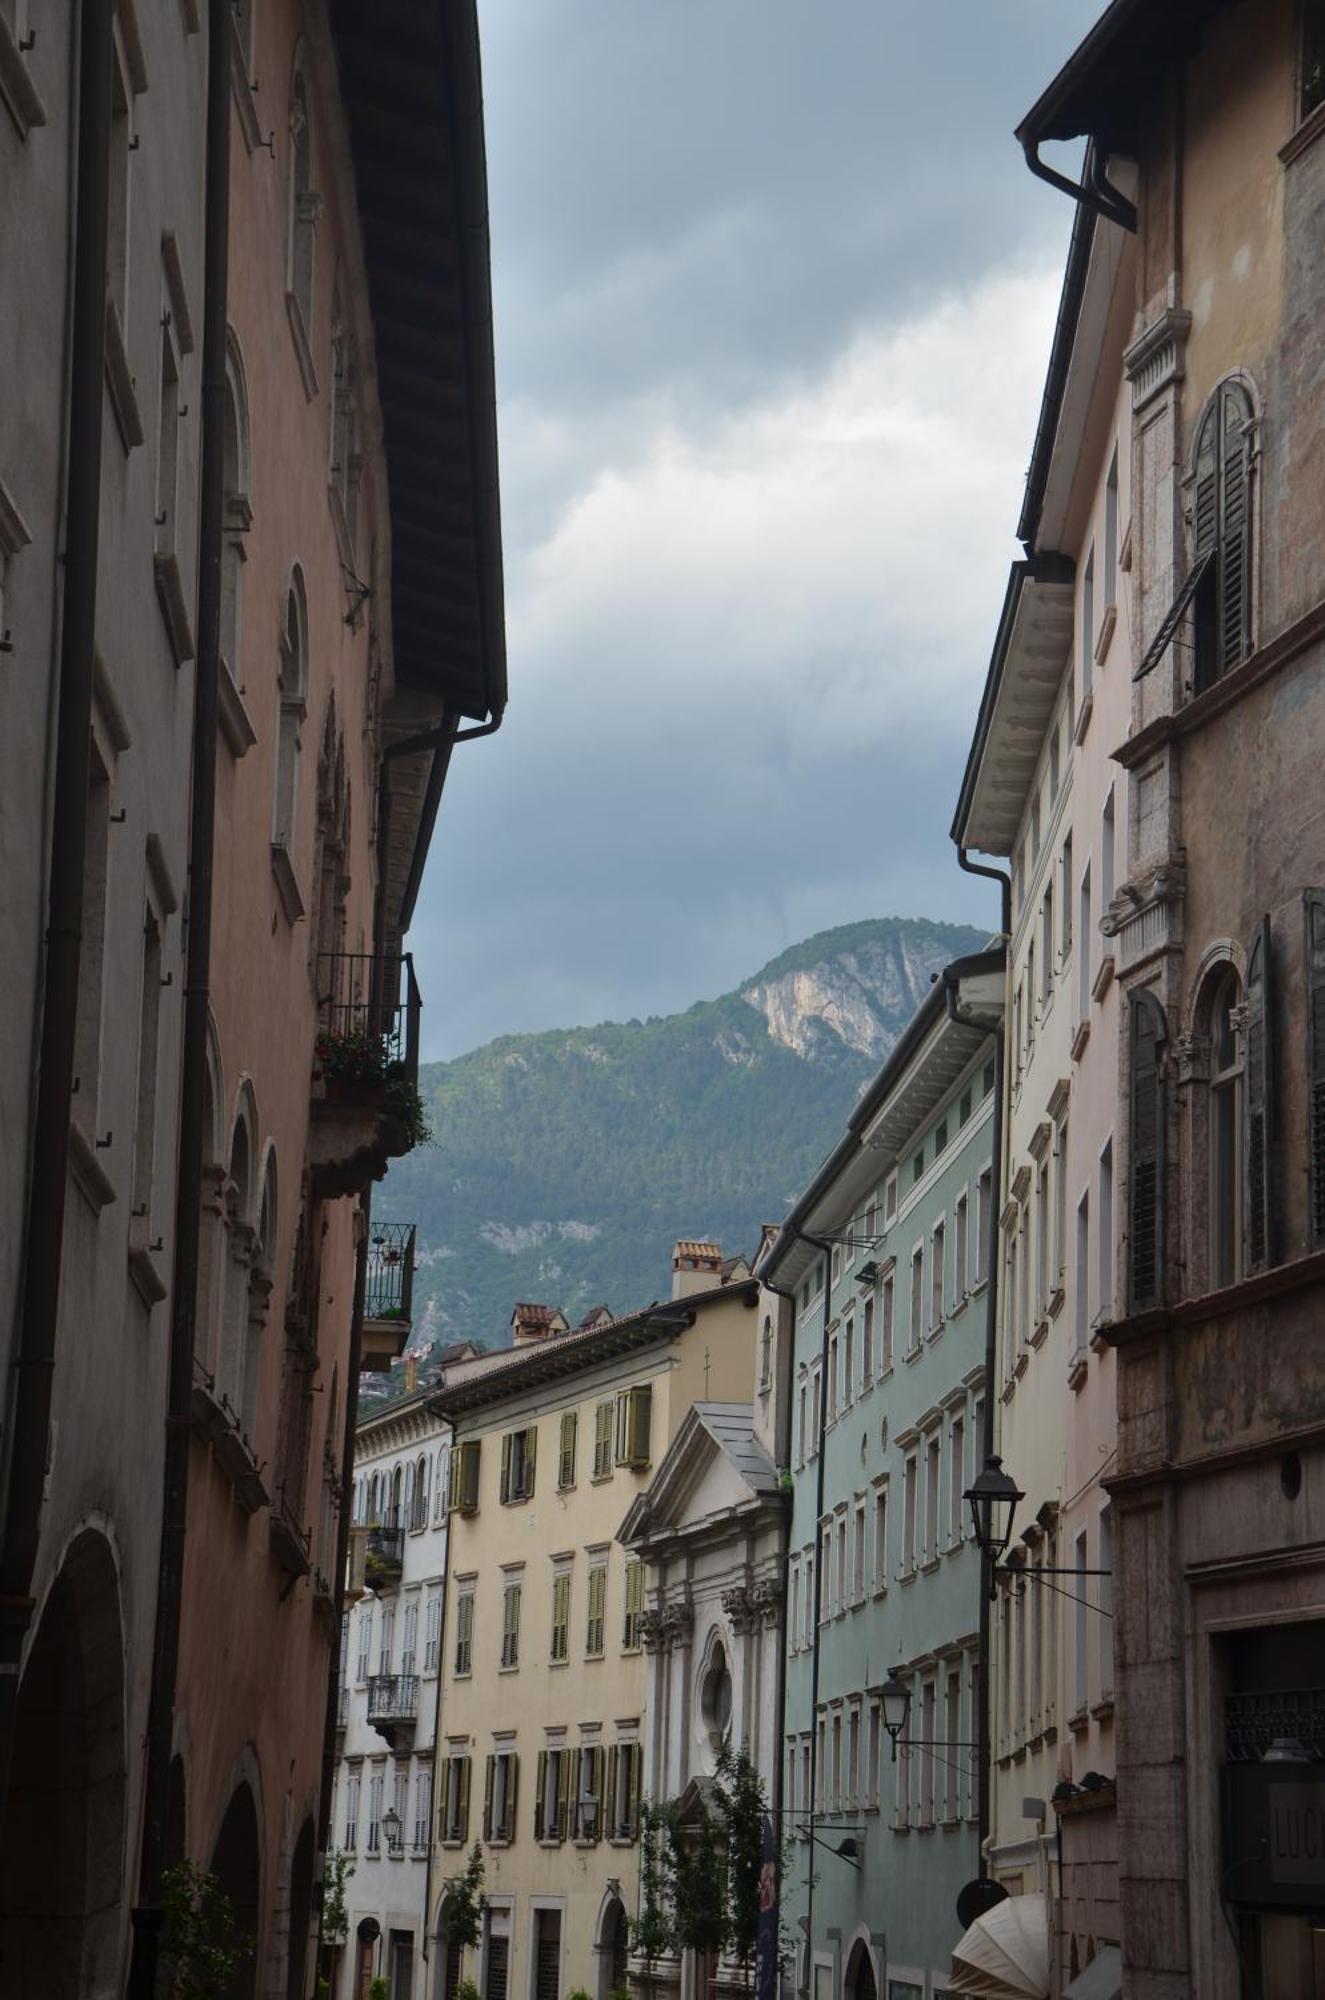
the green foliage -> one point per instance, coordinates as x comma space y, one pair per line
335, 1914
465, 1904
359, 1056
651, 1931
597, 1147
577, 1993
466, 1990
700, 1900
741, 1805
377, 1990
202, 1945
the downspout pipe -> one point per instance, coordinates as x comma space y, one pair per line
324, 1950
826, 1249
983, 1719
38, 1319
147, 1916
780, 1692
1095, 190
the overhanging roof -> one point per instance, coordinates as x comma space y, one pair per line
412, 91
1031, 649
1103, 86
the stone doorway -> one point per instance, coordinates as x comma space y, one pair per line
236, 1863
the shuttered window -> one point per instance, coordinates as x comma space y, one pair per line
464, 1632
454, 1813
462, 1496
1314, 910
510, 1625
560, 1649
625, 1770
519, 1451
634, 1605
589, 1794
1260, 1101
634, 1409
1218, 586
593, 1631
500, 1793
1145, 1246
552, 1802
566, 1456
602, 1441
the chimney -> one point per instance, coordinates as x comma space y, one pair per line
411, 1374
696, 1267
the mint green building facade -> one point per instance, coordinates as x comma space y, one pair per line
885, 1256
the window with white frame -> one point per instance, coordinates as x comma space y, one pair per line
961, 1247
1087, 627
853, 1757
807, 1636
1083, 1272
352, 1784
956, 1475
887, 1317
917, 1297
984, 1191
937, 1275
800, 1424
1104, 1232
375, 1784
1060, 1205
955, 1757
840, 1586
835, 1766
826, 1605
816, 1392
1085, 946
928, 1755
432, 1632
867, 1344
1047, 944
910, 1476
832, 1378
794, 1605
933, 1494
409, 1637
388, 1639
881, 1536
1065, 901
848, 1361
1043, 1245
1106, 855
365, 1643
858, 1552
422, 1810
890, 1198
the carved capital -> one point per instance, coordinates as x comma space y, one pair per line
740, 1612
650, 1629
767, 1599
1191, 1054
678, 1624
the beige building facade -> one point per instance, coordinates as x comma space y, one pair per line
540, 1743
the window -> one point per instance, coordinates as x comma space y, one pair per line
867, 1344
1105, 1621
165, 540
1030, 998
1105, 1228
881, 1538
1054, 755
826, 1604
1024, 1271
519, 1450
1145, 1246
409, 1641
432, 1633
917, 1296
345, 462
956, 1478
589, 1793
552, 1804
887, 1304
625, 1779
1226, 1122
983, 1196
352, 1784
375, 1783
952, 1730
766, 1354
873, 1756
634, 1593
816, 1409
499, 1795
365, 1644
633, 1413
593, 1631
1047, 944
849, 1361
559, 1650
121, 153
143, 1231
794, 1606
1221, 534
909, 1498
933, 1488
836, 1263
1065, 900
292, 686
462, 1485
835, 1768
1110, 578
388, 1639
570, 1421
937, 1274
832, 1378
1106, 855
890, 1198
918, 1168
455, 1800
602, 1440
1043, 1246
1081, 1624
800, 1425
1035, 828
858, 1554
840, 1592
303, 203
961, 1247
464, 1633
940, 1137
1083, 1272
1311, 88
928, 1733
1084, 975
810, 1604
1087, 628
1060, 1205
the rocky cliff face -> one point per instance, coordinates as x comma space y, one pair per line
863, 995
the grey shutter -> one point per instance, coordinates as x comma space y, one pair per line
487, 1797
464, 1798
506, 1468
1234, 520
608, 1807
540, 1793
1260, 1101
512, 1794
1145, 1242
1313, 903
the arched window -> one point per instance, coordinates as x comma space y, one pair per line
292, 692
346, 460
303, 201
240, 1239
395, 1518
1221, 533
331, 863
421, 1492
211, 1239
261, 1279
237, 512
1226, 1127
1147, 1098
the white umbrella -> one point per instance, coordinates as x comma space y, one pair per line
1005, 1952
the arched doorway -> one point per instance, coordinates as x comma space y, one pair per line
62, 1847
860, 1983
613, 1948
449, 1957
301, 1910
237, 1866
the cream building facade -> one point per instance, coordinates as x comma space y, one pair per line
540, 1751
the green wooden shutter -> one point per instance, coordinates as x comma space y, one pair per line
463, 1814
1145, 1244
1260, 1162
607, 1811
540, 1793
566, 1461
443, 1830
487, 1796
512, 1794
1234, 522
1313, 905
636, 1786
530, 1461
596, 1791
563, 1792
506, 1467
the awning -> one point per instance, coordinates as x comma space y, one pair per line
1102, 1978
1005, 1953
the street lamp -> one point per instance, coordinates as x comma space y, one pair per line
895, 1700
993, 1501
391, 1828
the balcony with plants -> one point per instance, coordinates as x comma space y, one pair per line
393, 1706
388, 1306
366, 1108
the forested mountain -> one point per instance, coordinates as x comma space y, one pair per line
565, 1164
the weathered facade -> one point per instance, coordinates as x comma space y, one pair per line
541, 1741
886, 1254
1217, 933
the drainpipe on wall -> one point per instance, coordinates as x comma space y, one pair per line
147, 1916
342, 1553
780, 1689
991, 1359
817, 1243
38, 1320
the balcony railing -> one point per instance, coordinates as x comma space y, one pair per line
386, 1551
393, 1698
368, 1018
342, 1705
390, 1289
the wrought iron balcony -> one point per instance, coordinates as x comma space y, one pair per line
386, 1556
365, 1068
393, 1704
389, 1297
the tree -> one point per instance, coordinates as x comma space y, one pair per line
651, 1932
742, 1806
201, 1942
465, 1904
335, 1915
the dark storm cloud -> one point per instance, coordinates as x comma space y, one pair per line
774, 293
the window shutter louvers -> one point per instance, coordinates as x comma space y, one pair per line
487, 1796
1313, 901
1145, 1245
463, 1809
512, 1795
563, 1792
636, 1786
566, 1465
1260, 1101
443, 1830
1234, 592
608, 1809
540, 1794
506, 1468
530, 1461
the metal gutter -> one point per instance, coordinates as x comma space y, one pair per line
1055, 385
48, 1178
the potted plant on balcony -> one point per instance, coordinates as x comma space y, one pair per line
351, 1066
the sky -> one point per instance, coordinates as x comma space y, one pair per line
774, 293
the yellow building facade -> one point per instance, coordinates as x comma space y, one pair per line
542, 1701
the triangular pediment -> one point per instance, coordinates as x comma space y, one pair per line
711, 1468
